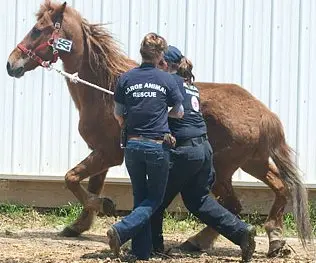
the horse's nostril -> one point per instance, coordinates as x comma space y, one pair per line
8, 67
18, 71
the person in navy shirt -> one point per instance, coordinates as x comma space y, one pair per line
142, 98
192, 173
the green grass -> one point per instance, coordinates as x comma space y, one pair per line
13, 209
312, 211
178, 222
65, 214
20, 216
181, 223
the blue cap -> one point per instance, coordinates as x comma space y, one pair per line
173, 55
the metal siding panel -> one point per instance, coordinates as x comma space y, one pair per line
199, 40
116, 16
7, 23
228, 37
284, 76
26, 120
91, 10
143, 19
172, 22
307, 97
256, 48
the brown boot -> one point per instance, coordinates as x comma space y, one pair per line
114, 241
248, 244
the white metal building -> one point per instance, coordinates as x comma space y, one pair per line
267, 46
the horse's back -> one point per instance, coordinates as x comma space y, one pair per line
232, 112
230, 98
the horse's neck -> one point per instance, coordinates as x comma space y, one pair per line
86, 97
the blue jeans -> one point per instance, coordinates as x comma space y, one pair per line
192, 174
148, 166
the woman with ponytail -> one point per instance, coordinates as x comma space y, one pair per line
192, 173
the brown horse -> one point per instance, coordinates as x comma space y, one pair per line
243, 132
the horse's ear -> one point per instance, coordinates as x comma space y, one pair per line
59, 13
63, 6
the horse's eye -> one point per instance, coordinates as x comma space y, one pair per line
35, 33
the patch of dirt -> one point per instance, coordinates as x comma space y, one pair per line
44, 245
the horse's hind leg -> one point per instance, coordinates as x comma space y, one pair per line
268, 173
94, 165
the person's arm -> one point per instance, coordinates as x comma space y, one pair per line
176, 112
174, 99
119, 110
119, 102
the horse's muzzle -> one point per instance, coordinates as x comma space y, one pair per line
15, 72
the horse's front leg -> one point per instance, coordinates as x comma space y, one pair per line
95, 166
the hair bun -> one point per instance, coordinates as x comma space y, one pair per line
152, 46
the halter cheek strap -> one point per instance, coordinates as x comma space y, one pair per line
50, 43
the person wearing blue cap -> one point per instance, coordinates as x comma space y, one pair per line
144, 94
192, 173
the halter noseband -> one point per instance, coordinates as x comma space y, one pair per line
32, 53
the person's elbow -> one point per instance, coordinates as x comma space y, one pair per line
119, 119
176, 112
119, 110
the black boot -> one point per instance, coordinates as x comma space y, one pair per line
248, 244
158, 244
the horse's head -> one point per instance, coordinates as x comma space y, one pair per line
38, 46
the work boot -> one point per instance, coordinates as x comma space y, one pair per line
159, 249
248, 244
114, 241
158, 245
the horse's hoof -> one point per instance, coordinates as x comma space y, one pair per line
69, 232
108, 207
189, 247
275, 247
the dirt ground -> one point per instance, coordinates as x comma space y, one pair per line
34, 244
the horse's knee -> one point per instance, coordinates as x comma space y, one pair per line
71, 179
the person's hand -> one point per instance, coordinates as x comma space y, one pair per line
170, 140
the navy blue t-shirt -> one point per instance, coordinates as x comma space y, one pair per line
192, 124
147, 92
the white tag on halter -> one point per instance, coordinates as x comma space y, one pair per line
63, 44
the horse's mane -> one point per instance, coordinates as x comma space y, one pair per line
106, 59
47, 6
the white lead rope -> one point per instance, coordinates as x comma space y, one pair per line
75, 79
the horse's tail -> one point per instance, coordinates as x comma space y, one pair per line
272, 133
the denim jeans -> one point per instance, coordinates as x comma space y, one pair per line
192, 174
148, 166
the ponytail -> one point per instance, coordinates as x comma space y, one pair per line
185, 70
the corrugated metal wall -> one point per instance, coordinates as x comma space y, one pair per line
268, 46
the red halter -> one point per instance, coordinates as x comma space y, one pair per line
32, 54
